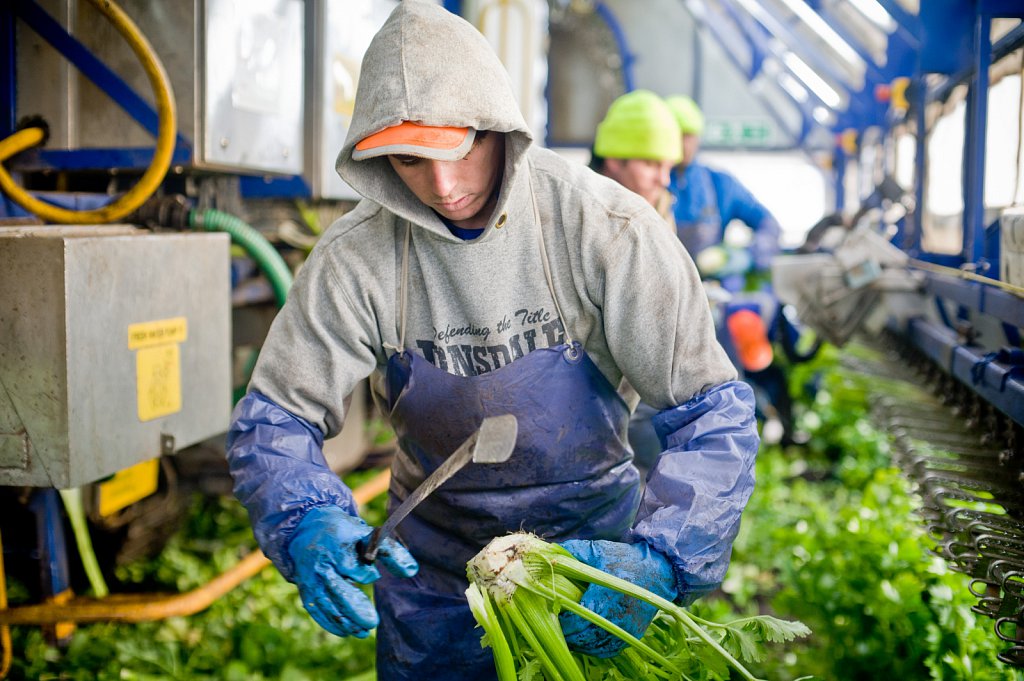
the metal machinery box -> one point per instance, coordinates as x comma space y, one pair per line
236, 69
114, 349
339, 31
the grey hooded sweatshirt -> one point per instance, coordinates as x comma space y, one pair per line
623, 287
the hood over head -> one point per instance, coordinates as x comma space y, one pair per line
431, 67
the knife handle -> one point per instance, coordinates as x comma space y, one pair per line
367, 550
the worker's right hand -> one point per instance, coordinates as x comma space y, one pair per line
328, 569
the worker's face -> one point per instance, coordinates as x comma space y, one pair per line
691, 143
642, 176
463, 191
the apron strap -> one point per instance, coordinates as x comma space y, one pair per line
546, 263
403, 293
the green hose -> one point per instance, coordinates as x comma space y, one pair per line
254, 243
76, 514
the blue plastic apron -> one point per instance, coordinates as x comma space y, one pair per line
570, 476
702, 226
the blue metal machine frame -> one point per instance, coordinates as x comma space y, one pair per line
122, 94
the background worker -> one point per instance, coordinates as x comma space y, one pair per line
637, 144
707, 200
482, 275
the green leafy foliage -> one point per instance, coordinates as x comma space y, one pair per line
258, 631
831, 538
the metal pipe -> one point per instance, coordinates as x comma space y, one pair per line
148, 607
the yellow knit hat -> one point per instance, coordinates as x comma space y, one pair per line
687, 113
639, 125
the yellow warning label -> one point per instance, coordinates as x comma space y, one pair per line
160, 332
128, 486
158, 374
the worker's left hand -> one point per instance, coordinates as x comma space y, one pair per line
635, 563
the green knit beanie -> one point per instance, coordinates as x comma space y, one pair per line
687, 113
639, 125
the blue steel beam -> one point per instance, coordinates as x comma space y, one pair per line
756, 35
756, 31
851, 39
976, 296
751, 72
871, 69
992, 381
8, 72
975, 151
822, 64
900, 58
908, 24
621, 43
89, 158
94, 69
1012, 41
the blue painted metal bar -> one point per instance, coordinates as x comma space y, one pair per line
977, 297
91, 159
1012, 41
874, 71
1001, 8
756, 60
453, 6
8, 72
745, 25
920, 169
838, 173
944, 259
621, 43
274, 186
974, 154
94, 69
54, 576
991, 380
908, 23
759, 35
823, 65
713, 22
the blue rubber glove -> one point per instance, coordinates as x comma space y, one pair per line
635, 563
328, 568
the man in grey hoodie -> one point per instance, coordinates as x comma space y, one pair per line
482, 275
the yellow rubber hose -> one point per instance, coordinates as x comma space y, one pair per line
166, 131
5, 631
151, 607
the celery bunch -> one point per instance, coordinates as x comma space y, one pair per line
519, 583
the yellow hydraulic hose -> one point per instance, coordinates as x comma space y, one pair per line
147, 607
166, 131
970, 276
5, 631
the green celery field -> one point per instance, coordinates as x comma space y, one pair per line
830, 538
